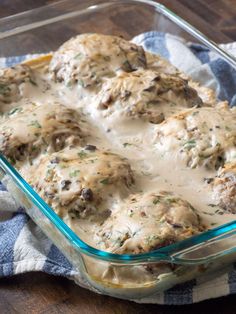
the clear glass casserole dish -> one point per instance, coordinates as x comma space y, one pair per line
45, 29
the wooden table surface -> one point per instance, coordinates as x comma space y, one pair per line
41, 293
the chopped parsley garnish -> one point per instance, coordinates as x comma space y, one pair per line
131, 213
107, 58
69, 84
189, 144
228, 128
49, 174
82, 154
14, 110
4, 89
78, 56
92, 161
212, 205
156, 201
81, 83
170, 200
105, 181
150, 239
219, 211
32, 82
63, 166
74, 173
126, 66
35, 123
127, 144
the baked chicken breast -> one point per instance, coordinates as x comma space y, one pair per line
81, 182
87, 59
146, 94
201, 137
145, 222
27, 131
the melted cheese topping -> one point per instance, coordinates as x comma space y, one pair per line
104, 136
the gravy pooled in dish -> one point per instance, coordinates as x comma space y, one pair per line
127, 150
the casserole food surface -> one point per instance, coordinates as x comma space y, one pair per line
125, 148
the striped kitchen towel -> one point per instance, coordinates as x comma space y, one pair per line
24, 248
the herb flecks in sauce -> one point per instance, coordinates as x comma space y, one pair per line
105, 181
90, 190
74, 173
35, 124
82, 154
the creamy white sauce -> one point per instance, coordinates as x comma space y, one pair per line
154, 171
134, 139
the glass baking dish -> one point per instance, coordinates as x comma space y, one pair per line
45, 29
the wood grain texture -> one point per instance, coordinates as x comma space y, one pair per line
38, 293
215, 18
42, 293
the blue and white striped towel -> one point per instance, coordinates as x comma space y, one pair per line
23, 247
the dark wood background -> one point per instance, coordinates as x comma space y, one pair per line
41, 293
215, 18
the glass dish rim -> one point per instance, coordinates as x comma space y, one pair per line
168, 253
160, 8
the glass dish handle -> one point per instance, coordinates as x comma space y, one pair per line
206, 247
